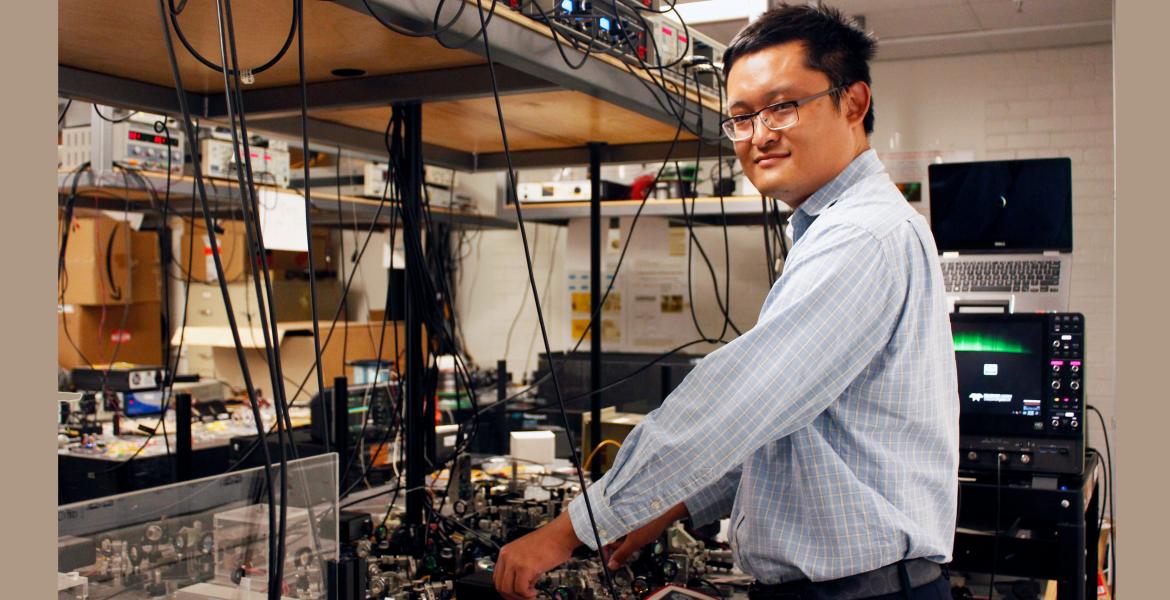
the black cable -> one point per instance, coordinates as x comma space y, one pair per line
325, 344
64, 111
394, 426
722, 206
995, 539
441, 332
400, 30
781, 222
645, 9
67, 221
536, 302
692, 244
299, 16
637, 371
63, 285
523, 300
711, 586
341, 252
345, 291
202, 195
1110, 476
110, 119
174, 17
468, 41
284, 422
660, 82
169, 377
552, 26
768, 241
255, 247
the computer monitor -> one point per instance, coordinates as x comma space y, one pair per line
1001, 372
1002, 205
1020, 391
370, 409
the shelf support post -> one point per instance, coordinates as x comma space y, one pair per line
596, 283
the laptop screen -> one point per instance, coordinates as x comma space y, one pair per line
1002, 206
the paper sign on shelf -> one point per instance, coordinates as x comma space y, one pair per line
282, 221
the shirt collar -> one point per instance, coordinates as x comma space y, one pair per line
864, 165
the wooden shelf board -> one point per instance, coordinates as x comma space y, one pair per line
124, 38
535, 121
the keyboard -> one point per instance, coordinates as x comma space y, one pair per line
1002, 276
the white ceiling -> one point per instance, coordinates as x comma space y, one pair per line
922, 28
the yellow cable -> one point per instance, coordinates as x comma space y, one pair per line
604, 443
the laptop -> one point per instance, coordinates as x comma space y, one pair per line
1004, 232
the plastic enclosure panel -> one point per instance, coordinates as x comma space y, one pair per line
201, 539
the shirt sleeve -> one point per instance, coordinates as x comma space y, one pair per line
714, 501
828, 316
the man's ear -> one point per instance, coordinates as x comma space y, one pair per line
855, 102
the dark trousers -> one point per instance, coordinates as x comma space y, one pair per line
938, 589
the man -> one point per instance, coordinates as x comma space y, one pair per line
830, 429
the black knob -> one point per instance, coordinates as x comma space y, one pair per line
670, 569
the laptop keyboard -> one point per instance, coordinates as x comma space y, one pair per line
1002, 276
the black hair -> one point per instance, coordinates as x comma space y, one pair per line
833, 44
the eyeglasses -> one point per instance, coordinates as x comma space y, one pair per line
774, 116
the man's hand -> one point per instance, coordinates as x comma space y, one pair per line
523, 561
619, 551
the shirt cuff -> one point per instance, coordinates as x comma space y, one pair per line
609, 526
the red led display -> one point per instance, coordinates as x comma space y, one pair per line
138, 136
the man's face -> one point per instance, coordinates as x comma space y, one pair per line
794, 162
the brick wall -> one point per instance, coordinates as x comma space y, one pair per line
1060, 103
1029, 104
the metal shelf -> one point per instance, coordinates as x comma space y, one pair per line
609, 102
223, 196
739, 210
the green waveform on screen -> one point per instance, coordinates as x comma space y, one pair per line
977, 342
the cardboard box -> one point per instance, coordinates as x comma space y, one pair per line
146, 271
296, 350
114, 333
233, 253
284, 260
232, 250
97, 262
